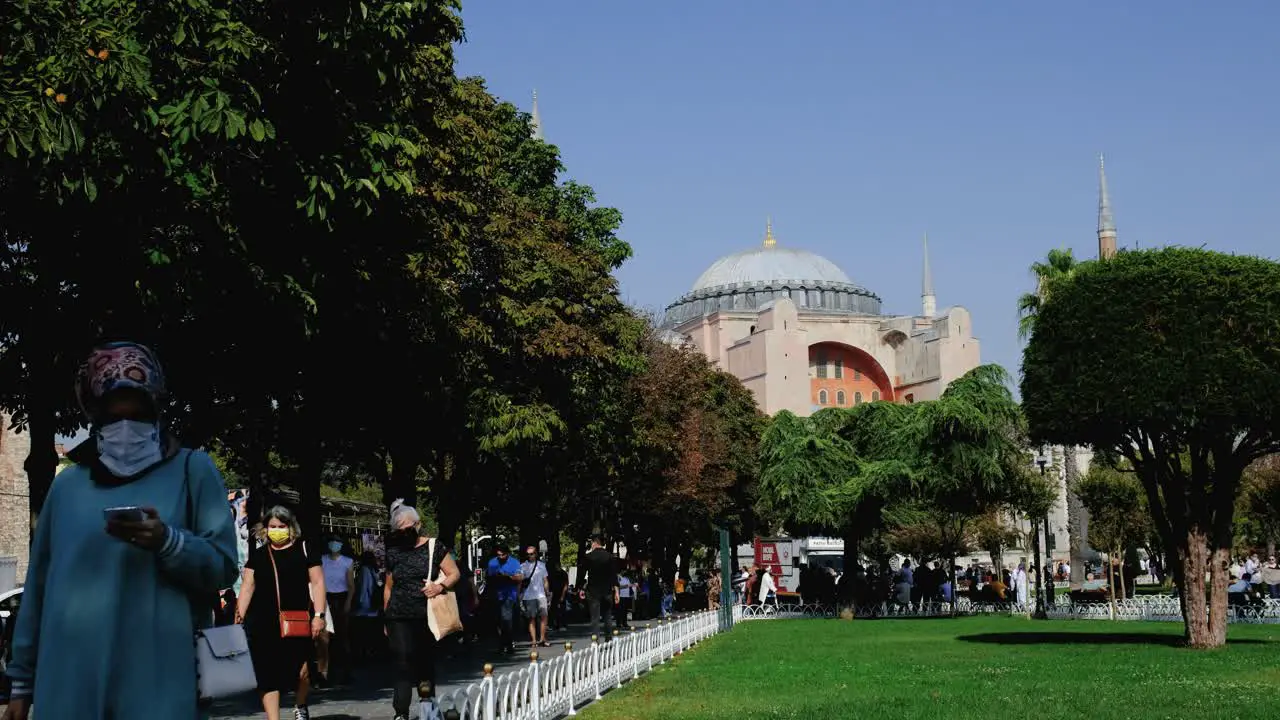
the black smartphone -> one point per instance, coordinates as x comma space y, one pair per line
127, 513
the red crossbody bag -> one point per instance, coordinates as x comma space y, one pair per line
293, 623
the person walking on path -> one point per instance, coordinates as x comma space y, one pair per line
714, 584
626, 590
334, 650
559, 589
503, 573
107, 617
535, 598
366, 626
601, 583
281, 575
414, 575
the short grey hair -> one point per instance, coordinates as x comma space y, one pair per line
400, 511
284, 515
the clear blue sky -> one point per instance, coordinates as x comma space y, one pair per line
859, 126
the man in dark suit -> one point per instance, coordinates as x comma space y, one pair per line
600, 581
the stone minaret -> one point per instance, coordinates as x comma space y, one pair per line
537, 119
1106, 223
928, 300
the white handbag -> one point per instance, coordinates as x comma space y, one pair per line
223, 664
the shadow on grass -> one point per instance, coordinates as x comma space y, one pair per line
1069, 638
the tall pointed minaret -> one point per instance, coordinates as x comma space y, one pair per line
537, 119
1106, 223
928, 301
769, 239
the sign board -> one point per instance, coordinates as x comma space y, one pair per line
774, 554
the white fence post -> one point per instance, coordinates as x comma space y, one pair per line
568, 668
595, 663
648, 645
634, 639
535, 690
615, 658
488, 695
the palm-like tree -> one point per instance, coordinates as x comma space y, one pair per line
1060, 264
1058, 267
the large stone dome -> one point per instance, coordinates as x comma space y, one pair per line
770, 265
749, 280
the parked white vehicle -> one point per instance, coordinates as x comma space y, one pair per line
9, 602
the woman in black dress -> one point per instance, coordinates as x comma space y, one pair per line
280, 663
412, 577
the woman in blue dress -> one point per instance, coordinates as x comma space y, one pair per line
108, 613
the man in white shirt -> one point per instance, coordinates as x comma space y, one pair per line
535, 595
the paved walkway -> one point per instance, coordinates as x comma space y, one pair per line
369, 696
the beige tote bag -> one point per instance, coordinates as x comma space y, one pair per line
443, 618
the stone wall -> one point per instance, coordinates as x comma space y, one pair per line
14, 516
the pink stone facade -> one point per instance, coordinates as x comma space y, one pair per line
777, 351
14, 513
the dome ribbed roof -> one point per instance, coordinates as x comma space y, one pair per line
770, 265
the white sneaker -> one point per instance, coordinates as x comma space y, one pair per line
428, 710
301, 713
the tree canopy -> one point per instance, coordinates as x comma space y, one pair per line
357, 267
925, 472
1170, 359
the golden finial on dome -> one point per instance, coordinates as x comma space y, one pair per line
769, 239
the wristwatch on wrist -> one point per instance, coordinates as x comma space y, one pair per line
320, 615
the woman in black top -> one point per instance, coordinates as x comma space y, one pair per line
280, 663
412, 577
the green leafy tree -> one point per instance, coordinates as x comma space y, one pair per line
1058, 267
1165, 357
1118, 513
1260, 501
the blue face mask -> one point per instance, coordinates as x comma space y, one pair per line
335, 547
127, 447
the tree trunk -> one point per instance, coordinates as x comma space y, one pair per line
1124, 591
310, 507
1111, 584
553, 547
1077, 519
1271, 546
850, 548
1219, 564
404, 475
1037, 572
1193, 557
257, 503
41, 463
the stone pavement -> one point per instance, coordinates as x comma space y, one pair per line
369, 695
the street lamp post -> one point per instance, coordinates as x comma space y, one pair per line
1042, 594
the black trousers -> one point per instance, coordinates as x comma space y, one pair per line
600, 605
555, 611
339, 648
413, 652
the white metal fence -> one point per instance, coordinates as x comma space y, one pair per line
550, 689
545, 690
1152, 608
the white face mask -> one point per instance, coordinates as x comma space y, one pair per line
127, 447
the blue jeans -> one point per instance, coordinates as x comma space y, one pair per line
506, 622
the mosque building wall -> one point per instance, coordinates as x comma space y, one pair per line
802, 336
15, 520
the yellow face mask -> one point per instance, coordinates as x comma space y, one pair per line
278, 536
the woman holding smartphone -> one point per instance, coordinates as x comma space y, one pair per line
131, 538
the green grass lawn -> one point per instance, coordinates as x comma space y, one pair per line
980, 668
